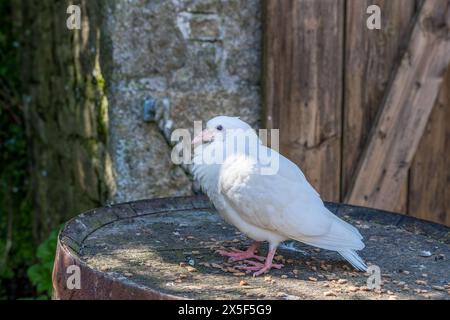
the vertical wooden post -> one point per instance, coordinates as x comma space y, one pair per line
429, 192
303, 52
370, 59
384, 165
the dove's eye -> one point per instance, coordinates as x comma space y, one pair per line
219, 127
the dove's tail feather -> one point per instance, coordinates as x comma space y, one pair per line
343, 238
354, 259
340, 237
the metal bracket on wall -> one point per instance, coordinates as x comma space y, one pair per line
149, 109
157, 110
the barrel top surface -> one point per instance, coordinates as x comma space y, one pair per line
168, 246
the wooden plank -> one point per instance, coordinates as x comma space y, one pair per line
370, 57
393, 142
303, 53
429, 196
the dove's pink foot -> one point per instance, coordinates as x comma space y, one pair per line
238, 255
261, 268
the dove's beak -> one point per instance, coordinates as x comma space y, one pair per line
205, 136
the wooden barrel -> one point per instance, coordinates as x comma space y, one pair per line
165, 249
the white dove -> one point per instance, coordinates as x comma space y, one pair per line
266, 207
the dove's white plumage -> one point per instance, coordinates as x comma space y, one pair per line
274, 207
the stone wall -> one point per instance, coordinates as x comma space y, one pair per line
202, 56
85, 91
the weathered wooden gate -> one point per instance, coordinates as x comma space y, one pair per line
364, 112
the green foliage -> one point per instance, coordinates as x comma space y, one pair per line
40, 274
16, 245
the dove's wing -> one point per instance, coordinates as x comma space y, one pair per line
284, 203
